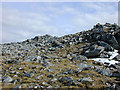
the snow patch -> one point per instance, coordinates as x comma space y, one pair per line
113, 54
104, 60
107, 60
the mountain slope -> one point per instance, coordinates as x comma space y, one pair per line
88, 59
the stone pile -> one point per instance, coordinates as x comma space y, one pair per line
88, 59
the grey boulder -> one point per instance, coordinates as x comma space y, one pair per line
94, 52
106, 45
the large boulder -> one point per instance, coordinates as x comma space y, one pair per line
111, 40
94, 52
106, 45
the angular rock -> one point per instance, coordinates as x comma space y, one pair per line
111, 40
105, 55
106, 45
95, 52
66, 80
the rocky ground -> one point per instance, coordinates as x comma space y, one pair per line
88, 59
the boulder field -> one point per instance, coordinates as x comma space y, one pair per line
87, 59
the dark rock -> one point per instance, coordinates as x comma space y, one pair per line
118, 79
104, 55
11, 61
95, 52
113, 66
55, 43
117, 35
36, 38
14, 81
66, 80
12, 72
78, 71
50, 76
19, 80
111, 40
116, 74
34, 70
29, 40
118, 63
70, 71
65, 72
106, 45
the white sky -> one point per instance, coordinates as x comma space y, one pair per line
23, 20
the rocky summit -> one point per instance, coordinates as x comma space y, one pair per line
87, 59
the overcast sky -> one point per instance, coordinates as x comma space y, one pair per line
24, 20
